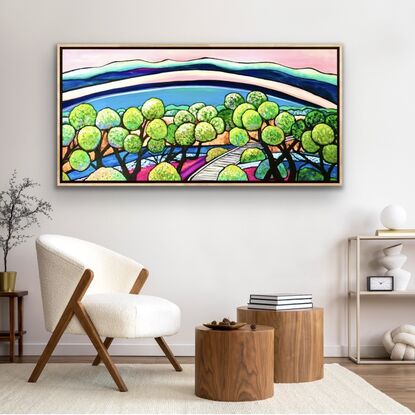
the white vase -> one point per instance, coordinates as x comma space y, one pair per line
392, 261
401, 278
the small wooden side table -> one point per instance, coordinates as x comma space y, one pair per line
12, 334
234, 365
298, 343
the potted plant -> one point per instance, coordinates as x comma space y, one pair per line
19, 210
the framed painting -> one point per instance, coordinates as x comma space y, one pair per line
199, 115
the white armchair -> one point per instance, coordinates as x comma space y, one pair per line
88, 289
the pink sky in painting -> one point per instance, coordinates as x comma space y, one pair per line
324, 60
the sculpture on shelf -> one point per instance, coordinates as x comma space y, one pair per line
393, 261
393, 217
400, 343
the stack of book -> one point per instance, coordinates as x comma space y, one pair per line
280, 301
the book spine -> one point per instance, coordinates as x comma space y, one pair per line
279, 302
279, 298
281, 307
397, 232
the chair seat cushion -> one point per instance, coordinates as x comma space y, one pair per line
129, 316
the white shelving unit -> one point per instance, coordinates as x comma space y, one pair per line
356, 294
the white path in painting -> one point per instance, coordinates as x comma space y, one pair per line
200, 75
211, 170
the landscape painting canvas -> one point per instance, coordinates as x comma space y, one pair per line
220, 115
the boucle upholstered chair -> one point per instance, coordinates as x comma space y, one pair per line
88, 289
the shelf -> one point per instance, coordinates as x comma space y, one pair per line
388, 293
357, 297
385, 361
380, 238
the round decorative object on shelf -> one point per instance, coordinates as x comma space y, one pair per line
393, 217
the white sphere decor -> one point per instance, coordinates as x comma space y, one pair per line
393, 217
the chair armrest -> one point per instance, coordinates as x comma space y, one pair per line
140, 281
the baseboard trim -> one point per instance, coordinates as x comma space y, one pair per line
120, 349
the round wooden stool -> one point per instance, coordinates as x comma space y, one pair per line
298, 346
235, 365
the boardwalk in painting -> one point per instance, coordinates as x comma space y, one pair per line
210, 171
223, 115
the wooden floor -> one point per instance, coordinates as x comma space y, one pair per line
397, 381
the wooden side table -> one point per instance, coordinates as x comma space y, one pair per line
234, 365
298, 343
12, 334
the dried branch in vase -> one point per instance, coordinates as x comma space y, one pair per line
19, 211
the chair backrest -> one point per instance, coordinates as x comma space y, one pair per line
62, 260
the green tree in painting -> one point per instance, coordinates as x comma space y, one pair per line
320, 140
215, 152
200, 125
184, 137
82, 115
164, 172
285, 144
106, 174
106, 119
232, 173
313, 118
251, 155
90, 135
260, 120
282, 136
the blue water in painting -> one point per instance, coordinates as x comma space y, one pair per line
172, 95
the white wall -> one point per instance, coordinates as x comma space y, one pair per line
208, 248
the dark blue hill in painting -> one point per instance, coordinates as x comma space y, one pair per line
323, 85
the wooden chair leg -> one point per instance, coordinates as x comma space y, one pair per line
169, 354
50, 347
92, 333
67, 315
107, 344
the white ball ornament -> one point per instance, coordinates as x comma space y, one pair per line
393, 217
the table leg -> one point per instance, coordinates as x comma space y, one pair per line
20, 324
11, 326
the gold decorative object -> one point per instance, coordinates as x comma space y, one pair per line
7, 281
